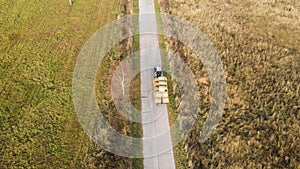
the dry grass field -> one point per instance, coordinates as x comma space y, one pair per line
259, 44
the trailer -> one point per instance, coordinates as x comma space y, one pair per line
161, 95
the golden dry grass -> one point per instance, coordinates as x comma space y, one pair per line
259, 44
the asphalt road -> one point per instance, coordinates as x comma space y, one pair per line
157, 144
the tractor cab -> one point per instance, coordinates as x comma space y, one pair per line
158, 72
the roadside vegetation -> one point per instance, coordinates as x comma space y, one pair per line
99, 157
135, 88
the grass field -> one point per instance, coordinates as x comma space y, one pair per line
39, 45
258, 42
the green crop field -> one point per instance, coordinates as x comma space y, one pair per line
39, 44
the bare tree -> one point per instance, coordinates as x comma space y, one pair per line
120, 88
121, 79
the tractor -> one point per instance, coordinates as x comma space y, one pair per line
160, 87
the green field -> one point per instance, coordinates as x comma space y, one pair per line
39, 44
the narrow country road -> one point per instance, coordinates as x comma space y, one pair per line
157, 144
